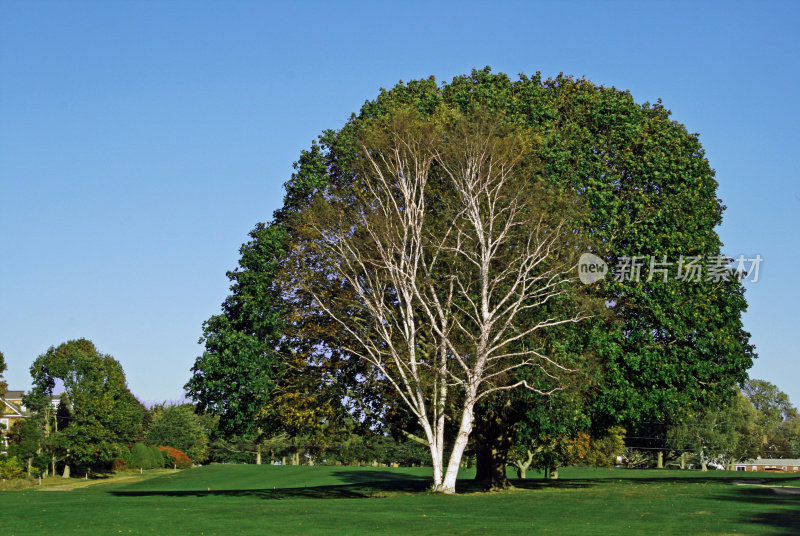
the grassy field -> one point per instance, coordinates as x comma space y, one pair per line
241, 499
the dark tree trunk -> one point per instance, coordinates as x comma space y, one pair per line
497, 468
493, 442
482, 462
491, 460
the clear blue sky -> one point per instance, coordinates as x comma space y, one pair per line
141, 141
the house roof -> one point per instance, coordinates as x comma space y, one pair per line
10, 408
11, 404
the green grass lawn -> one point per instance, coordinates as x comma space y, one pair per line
242, 499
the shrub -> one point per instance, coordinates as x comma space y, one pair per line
142, 457
176, 457
11, 468
119, 464
159, 459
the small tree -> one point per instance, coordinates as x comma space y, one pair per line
180, 427
176, 458
11, 467
724, 431
142, 457
603, 452
773, 408
26, 440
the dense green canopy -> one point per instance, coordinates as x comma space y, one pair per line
97, 415
665, 341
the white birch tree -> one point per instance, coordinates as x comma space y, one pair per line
445, 240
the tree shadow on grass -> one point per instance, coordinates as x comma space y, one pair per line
533, 484
784, 515
380, 477
765, 479
357, 485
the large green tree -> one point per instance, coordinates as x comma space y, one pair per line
647, 189
97, 416
667, 342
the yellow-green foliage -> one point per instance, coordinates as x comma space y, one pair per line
11, 467
603, 451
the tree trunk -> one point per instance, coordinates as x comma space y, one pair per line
437, 459
492, 446
449, 483
703, 461
258, 446
683, 460
660, 458
66, 471
491, 463
553, 473
523, 465
53, 456
283, 460
482, 461
498, 460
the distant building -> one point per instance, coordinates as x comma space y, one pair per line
12, 410
788, 465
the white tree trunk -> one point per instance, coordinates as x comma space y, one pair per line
467, 419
